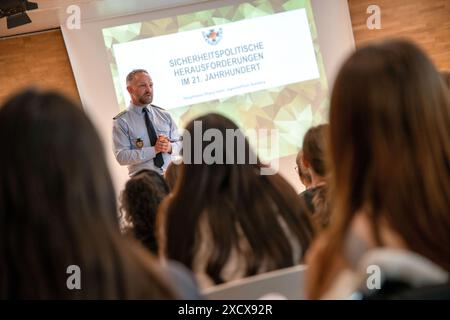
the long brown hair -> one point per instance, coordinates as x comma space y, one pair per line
171, 175
58, 208
389, 153
236, 201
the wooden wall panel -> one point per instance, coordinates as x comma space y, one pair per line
426, 22
38, 60
41, 60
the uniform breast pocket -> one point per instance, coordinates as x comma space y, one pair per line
137, 142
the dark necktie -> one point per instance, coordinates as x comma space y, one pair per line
158, 159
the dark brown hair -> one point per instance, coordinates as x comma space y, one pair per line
237, 203
139, 204
58, 208
303, 173
390, 153
314, 151
314, 144
446, 78
172, 175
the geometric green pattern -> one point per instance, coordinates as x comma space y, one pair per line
291, 109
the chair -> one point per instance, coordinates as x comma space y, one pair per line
286, 283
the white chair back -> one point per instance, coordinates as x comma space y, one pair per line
287, 283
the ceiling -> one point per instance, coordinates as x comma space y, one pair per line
52, 13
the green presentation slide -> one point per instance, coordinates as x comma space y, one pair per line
257, 62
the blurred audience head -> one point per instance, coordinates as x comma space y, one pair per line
172, 175
314, 144
314, 160
139, 205
58, 209
389, 155
229, 207
446, 77
303, 173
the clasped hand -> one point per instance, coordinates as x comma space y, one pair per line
163, 144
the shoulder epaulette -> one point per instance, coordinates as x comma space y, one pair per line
119, 114
158, 107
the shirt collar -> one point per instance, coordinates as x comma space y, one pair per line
138, 109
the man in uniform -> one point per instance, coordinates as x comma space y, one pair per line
144, 135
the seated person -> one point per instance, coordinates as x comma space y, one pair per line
313, 159
225, 220
303, 173
171, 175
390, 180
139, 204
446, 78
58, 210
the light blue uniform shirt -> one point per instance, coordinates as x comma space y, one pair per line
129, 126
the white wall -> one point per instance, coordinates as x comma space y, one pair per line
87, 55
